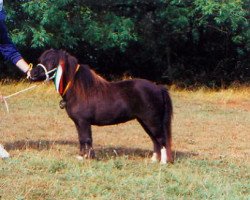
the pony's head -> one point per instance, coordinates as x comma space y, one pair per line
65, 69
48, 63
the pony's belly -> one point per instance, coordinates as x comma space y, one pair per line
111, 121
113, 112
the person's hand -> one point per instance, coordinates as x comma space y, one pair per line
29, 70
28, 74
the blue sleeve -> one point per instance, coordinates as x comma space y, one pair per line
7, 48
10, 53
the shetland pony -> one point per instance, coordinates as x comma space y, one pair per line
91, 100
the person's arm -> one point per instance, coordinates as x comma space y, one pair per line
23, 65
8, 49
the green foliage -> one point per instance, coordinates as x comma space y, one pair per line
115, 32
67, 23
228, 15
194, 41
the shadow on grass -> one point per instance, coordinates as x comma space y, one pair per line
38, 145
102, 153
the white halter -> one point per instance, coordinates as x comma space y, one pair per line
47, 73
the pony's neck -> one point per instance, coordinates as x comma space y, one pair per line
87, 83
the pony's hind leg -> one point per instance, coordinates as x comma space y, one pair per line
166, 155
157, 147
85, 139
157, 133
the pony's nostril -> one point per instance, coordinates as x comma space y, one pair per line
34, 74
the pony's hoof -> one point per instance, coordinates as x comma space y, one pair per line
89, 153
154, 158
80, 158
163, 162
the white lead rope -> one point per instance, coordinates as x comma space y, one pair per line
14, 94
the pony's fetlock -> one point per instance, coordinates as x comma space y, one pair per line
88, 153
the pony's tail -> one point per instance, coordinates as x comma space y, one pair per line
167, 123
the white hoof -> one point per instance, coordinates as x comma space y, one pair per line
154, 158
163, 163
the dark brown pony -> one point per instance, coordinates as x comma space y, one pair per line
91, 100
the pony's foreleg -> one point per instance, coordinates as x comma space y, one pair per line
85, 140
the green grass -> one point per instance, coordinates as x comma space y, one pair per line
40, 176
211, 149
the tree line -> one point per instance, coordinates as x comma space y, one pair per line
187, 42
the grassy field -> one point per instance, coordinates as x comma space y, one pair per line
211, 149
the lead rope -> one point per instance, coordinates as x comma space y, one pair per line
14, 94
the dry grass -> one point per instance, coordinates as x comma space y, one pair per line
218, 122
211, 146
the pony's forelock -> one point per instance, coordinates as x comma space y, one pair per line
50, 59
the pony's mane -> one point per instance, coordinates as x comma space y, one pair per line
90, 83
85, 80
